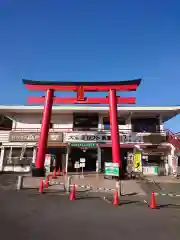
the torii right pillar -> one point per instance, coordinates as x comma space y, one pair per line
114, 128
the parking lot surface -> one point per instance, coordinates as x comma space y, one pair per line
29, 215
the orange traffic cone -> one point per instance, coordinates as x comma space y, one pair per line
41, 187
54, 173
116, 199
59, 172
153, 202
73, 193
47, 181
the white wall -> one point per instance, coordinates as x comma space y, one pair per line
60, 122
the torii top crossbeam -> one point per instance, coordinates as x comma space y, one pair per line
130, 85
81, 88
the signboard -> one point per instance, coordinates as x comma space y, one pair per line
100, 137
130, 160
82, 160
33, 137
111, 169
76, 165
86, 145
137, 161
82, 164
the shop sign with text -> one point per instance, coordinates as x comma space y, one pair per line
101, 137
33, 137
86, 145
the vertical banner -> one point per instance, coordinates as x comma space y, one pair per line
47, 162
130, 161
137, 162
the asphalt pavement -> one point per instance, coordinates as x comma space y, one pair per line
30, 215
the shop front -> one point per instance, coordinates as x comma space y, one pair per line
19, 153
96, 149
155, 160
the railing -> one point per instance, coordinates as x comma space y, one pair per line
4, 136
174, 139
82, 130
39, 129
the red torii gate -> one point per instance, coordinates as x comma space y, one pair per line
80, 88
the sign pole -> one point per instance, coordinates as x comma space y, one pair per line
82, 165
82, 172
77, 166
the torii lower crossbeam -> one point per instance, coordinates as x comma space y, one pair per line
59, 100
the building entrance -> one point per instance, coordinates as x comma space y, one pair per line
58, 159
90, 156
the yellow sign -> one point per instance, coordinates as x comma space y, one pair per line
137, 160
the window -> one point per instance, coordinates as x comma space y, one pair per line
106, 122
7, 158
12, 156
85, 122
145, 125
5, 123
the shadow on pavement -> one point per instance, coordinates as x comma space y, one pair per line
86, 197
130, 194
174, 206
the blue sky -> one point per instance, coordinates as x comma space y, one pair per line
92, 40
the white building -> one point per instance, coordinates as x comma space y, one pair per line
84, 132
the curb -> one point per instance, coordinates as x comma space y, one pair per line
85, 187
167, 194
56, 183
96, 189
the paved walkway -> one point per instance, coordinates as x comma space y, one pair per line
96, 182
163, 179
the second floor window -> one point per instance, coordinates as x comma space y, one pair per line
85, 122
145, 125
106, 122
5, 123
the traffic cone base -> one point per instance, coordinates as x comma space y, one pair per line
73, 193
153, 202
41, 187
116, 199
47, 181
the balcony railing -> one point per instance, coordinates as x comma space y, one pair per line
39, 129
125, 130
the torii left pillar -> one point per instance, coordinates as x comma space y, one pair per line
43, 139
114, 128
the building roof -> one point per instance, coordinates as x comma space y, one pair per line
167, 112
